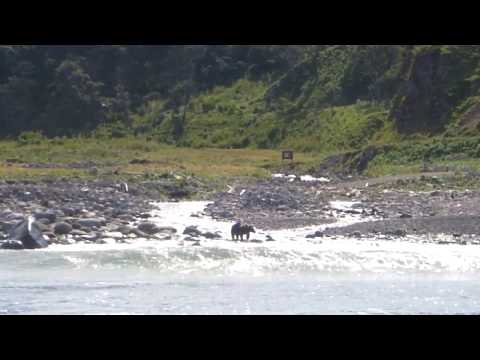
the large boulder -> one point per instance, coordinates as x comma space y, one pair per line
29, 233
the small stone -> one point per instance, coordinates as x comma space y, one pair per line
139, 233
167, 229
62, 228
400, 233
49, 215
77, 232
91, 222
211, 236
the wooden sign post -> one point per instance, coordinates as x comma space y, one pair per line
287, 155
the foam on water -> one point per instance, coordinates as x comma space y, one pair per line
290, 253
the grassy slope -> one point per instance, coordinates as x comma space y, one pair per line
317, 117
117, 154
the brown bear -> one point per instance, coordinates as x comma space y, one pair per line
239, 230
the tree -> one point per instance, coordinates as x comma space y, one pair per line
75, 101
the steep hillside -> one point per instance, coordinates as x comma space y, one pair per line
324, 98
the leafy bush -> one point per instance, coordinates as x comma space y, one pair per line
30, 138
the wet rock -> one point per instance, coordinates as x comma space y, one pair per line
12, 245
167, 229
188, 238
62, 228
49, 216
6, 226
192, 231
163, 237
125, 230
148, 228
405, 216
139, 233
52, 236
91, 237
77, 232
29, 233
76, 225
115, 235
44, 221
211, 236
91, 222
68, 211
398, 233
316, 235
269, 238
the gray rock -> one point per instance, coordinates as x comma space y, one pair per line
211, 236
62, 228
91, 222
29, 233
192, 231
12, 245
69, 211
188, 238
148, 228
77, 232
138, 233
312, 236
49, 216
399, 233
124, 229
11, 216
6, 226
167, 229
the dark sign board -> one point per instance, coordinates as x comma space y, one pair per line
287, 155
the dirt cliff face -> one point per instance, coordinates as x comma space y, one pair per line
436, 82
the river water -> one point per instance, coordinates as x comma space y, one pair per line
292, 275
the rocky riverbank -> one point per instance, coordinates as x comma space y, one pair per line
383, 209
91, 211
102, 211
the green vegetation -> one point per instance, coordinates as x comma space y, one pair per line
62, 104
115, 158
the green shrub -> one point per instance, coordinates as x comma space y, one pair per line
30, 138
